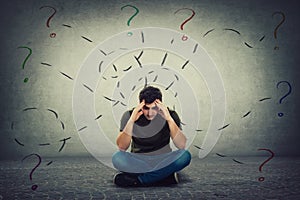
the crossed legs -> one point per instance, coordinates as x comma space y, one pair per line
151, 169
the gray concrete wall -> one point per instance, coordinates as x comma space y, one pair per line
249, 66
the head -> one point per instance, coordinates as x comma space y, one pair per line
149, 95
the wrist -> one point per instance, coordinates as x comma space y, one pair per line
169, 119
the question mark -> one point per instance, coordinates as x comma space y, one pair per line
280, 23
136, 12
33, 187
260, 167
52, 35
27, 57
289, 92
188, 19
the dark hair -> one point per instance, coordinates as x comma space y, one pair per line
150, 94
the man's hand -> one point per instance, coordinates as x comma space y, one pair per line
137, 111
163, 110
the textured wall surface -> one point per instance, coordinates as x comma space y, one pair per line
251, 55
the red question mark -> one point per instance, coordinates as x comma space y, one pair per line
33, 187
184, 37
52, 35
280, 23
260, 167
188, 19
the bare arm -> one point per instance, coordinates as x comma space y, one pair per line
177, 136
124, 138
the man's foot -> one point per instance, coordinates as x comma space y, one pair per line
127, 180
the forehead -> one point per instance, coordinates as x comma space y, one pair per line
150, 105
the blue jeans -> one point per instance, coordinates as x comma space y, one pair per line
152, 168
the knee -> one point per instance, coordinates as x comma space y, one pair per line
184, 158
187, 156
118, 158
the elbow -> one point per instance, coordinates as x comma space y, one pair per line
181, 145
122, 147
123, 141
180, 142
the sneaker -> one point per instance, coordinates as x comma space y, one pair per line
127, 180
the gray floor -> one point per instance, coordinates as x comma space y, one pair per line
214, 177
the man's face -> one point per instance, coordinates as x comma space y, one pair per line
150, 111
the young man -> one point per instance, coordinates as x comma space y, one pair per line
148, 128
